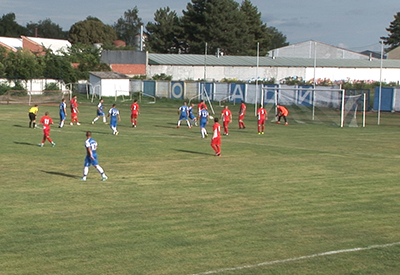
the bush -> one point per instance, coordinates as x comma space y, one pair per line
162, 76
4, 87
53, 86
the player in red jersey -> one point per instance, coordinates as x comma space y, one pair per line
262, 116
74, 110
134, 112
242, 112
216, 137
200, 107
226, 117
46, 121
281, 111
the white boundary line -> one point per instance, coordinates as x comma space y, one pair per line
298, 258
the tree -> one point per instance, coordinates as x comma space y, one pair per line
128, 27
165, 35
22, 64
278, 40
88, 59
91, 31
217, 22
10, 28
393, 39
46, 29
58, 67
257, 30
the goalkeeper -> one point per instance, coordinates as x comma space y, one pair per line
282, 111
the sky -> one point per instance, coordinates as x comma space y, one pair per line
355, 25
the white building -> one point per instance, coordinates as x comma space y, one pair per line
109, 83
245, 68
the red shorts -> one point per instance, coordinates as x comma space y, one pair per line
226, 123
261, 121
46, 132
134, 115
241, 117
216, 141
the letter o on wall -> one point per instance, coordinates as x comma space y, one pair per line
177, 90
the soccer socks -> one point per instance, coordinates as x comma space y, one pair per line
203, 132
188, 123
85, 172
217, 149
95, 119
101, 171
61, 123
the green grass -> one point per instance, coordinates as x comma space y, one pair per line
171, 207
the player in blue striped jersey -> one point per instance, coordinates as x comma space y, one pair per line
183, 112
100, 112
114, 116
91, 157
203, 119
63, 112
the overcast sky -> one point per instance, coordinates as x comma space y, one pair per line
352, 24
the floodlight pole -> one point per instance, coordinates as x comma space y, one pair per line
204, 91
380, 85
258, 64
314, 84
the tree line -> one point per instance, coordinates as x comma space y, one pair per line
233, 28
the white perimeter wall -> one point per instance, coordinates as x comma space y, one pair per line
217, 73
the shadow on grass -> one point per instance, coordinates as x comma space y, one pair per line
194, 152
26, 143
60, 174
20, 126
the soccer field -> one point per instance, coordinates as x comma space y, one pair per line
300, 199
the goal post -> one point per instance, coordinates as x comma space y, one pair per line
321, 105
34, 97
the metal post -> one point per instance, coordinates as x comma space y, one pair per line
380, 86
365, 106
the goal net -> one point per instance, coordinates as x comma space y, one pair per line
32, 97
307, 105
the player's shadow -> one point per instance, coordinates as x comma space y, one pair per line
19, 126
193, 152
59, 174
25, 143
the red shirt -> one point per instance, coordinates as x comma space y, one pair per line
216, 130
46, 121
242, 109
201, 105
282, 110
135, 108
261, 114
226, 115
74, 105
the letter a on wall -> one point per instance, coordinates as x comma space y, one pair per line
237, 92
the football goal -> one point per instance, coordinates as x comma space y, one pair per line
32, 97
307, 105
